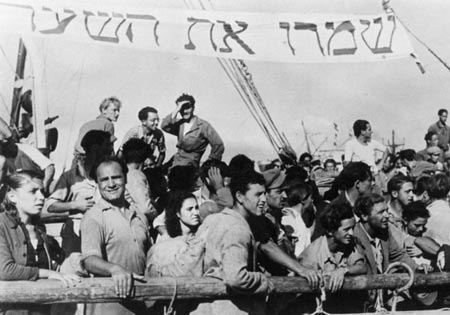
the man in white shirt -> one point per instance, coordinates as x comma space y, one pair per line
363, 148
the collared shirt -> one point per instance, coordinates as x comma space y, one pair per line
319, 257
296, 230
119, 236
155, 140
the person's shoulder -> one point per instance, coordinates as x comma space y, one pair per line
351, 143
94, 213
134, 131
433, 126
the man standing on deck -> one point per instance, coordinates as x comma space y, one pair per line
442, 130
109, 113
115, 239
194, 134
149, 132
363, 148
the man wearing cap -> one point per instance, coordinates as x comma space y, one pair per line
435, 154
194, 134
431, 140
441, 129
268, 227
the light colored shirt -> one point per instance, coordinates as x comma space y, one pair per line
139, 190
439, 222
367, 153
295, 228
319, 257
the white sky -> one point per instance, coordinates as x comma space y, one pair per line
390, 94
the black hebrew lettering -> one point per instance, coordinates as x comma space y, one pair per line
234, 35
61, 23
377, 48
310, 27
345, 26
99, 36
191, 45
143, 17
287, 27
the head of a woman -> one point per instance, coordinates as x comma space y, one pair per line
23, 196
182, 215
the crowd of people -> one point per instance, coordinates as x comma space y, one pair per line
132, 214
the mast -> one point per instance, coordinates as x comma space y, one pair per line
20, 70
393, 145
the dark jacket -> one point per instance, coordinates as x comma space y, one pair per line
192, 145
13, 250
391, 250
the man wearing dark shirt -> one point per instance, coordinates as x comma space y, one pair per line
194, 134
441, 129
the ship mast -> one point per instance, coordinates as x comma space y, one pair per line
20, 70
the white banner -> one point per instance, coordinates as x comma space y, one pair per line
240, 35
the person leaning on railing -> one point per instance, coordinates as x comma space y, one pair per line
26, 252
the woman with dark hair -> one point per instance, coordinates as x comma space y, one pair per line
167, 258
26, 252
182, 215
182, 220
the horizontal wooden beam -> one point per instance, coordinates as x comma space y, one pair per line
98, 290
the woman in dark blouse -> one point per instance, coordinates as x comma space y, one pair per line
26, 252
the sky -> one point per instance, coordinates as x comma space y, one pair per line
392, 95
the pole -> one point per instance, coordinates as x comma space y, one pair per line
20, 70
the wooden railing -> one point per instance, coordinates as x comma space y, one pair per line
100, 290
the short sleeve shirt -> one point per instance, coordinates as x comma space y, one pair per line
319, 257
119, 236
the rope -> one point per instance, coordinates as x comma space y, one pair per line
379, 309
389, 10
320, 299
242, 82
169, 310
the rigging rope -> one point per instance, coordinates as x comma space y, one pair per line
388, 9
242, 81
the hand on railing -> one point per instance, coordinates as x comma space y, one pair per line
69, 280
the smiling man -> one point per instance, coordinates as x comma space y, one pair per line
230, 247
194, 134
149, 132
115, 239
337, 255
